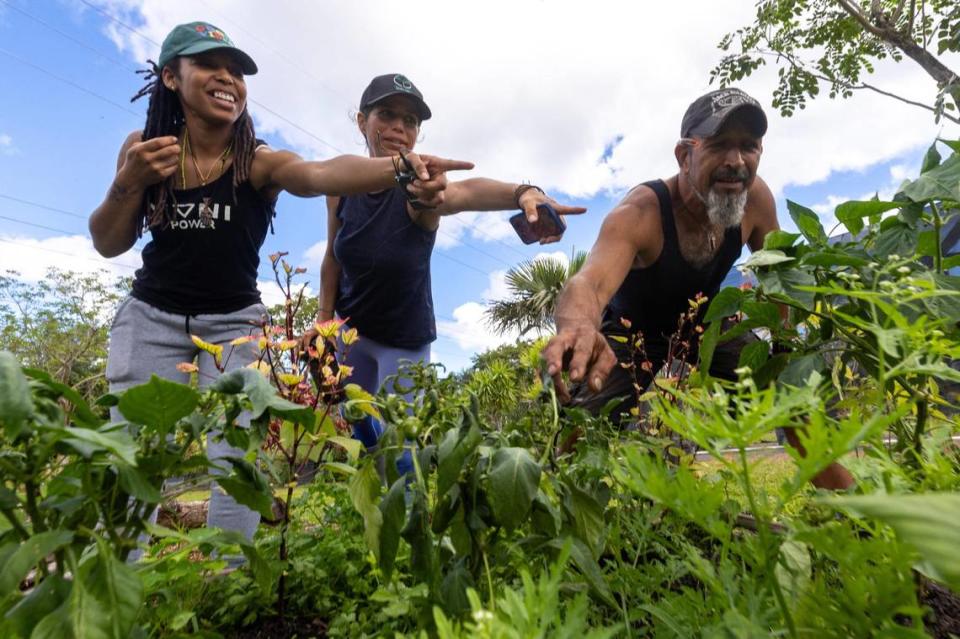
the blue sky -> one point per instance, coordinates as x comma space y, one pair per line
582, 130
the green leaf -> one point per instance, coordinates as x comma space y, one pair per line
393, 510
349, 444
365, 493
118, 442
793, 571
726, 303
116, 585
779, 240
808, 223
754, 355
137, 485
766, 314
56, 625
896, 238
80, 413
940, 183
247, 486
928, 522
798, 371
43, 600
28, 554
766, 258
851, 214
586, 514
831, 256
512, 483
89, 617
423, 560
457, 444
453, 590
788, 283
931, 159
587, 564
708, 345
159, 403
262, 395
16, 404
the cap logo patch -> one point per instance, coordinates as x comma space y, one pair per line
727, 99
214, 33
401, 83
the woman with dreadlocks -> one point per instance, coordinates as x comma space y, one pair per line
375, 273
205, 187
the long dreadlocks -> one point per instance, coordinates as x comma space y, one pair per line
165, 117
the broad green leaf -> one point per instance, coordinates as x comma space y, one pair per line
263, 396
851, 214
28, 554
787, 283
831, 256
247, 485
928, 522
349, 444
808, 223
708, 345
931, 159
80, 412
754, 355
453, 590
793, 570
457, 444
159, 403
512, 483
43, 600
766, 258
116, 585
940, 183
365, 493
57, 624
726, 303
896, 238
137, 485
118, 442
393, 510
798, 371
344, 469
16, 404
90, 618
762, 314
779, 240
587, 564
586, 514
423, 560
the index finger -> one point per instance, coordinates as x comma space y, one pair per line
563, 209
443, 164
553, 354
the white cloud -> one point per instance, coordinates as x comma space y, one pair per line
497, 288
313, 256
32, 257
476, 226
6, 145
470, 330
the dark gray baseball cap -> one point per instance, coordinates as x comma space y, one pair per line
383, 86
709, 112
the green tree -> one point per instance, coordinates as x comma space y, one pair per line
61, 324
835, 43
534, 287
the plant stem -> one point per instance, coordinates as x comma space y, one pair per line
486, 567
763, 532
937, 226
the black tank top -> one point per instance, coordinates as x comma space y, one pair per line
654, 297
205, 260
384, 290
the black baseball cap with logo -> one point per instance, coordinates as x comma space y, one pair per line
709, 112
383, 86
198, 37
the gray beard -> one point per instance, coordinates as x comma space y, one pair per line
725, 209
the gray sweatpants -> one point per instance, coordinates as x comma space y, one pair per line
145, 341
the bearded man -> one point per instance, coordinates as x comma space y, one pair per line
666, 242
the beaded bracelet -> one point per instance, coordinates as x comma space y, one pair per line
523, 188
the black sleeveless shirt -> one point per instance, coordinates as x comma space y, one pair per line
384, 290
204, 258
654, 297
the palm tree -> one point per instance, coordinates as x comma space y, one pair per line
534, 288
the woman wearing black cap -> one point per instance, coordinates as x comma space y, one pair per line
376, 270
205, 187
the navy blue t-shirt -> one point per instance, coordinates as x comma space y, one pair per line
384, 290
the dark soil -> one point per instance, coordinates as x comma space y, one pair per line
295, 628
943, 622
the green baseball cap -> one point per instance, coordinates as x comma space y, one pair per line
198, 37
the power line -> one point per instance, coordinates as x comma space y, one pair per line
43, 206
38, 226
81, 257
70, 82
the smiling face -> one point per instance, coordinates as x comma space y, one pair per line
721, 168
210, 86
391, 125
